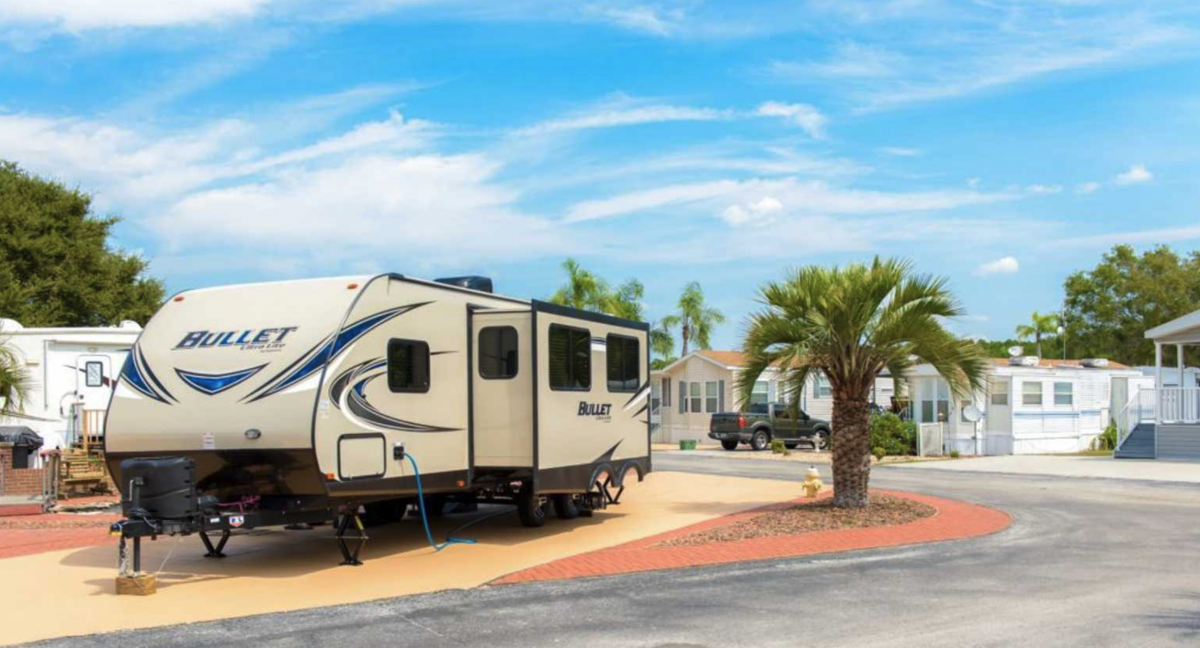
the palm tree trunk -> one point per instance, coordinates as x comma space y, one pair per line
1039, 344
685, 340
851, 451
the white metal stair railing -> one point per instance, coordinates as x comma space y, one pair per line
1178, 405
1139, 409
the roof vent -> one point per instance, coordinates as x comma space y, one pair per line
129, 325
9, 325
1095, 363
474, 282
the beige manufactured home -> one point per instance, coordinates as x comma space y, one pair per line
293, 401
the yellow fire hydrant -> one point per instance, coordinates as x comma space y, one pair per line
812, 482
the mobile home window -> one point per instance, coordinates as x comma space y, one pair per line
710, 397
655, 397
822, 389
498, 352
408, 366
666, 392
1031, 393
94, 374
1063, 393
695, 387
570, 358
758, 395
624, 372
682, 396
1000, 393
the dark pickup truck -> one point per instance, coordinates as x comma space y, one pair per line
764, 422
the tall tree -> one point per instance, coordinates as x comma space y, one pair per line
662, 344
15, 381
583, 290
850, 324
1038, 326
695, 320
56, 266
625, 301
1110, 306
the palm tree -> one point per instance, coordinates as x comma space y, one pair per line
850, 324
696, 321
662, 344
624, 302
1038, 325
15, 382
583, 290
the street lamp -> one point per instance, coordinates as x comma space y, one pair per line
1062, 334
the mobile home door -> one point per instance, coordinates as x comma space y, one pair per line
502, 388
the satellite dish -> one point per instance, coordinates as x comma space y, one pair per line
1016, 351
972, 413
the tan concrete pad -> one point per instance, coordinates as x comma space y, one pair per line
71, 593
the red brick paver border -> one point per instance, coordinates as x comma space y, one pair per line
954, 520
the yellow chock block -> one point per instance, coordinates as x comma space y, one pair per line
137, 585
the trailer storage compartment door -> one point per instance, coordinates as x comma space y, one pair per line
502, 389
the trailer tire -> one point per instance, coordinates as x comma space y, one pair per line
565, 507
530, 510
729, 445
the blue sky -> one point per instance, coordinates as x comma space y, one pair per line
1004, 144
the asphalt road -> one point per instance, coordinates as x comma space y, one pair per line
1086, 563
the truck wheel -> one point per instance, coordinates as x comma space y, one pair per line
760, 441
564, 507
531, 511
821, 440
791, 446
729, 445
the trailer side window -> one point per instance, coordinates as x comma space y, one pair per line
408, 366
498, 352
570, 358
624, 374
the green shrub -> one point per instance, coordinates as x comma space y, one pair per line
954, 454
893, 435
1108, 438
779, 447
879, 453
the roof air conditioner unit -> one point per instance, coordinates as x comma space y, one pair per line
1095, 363
1024, 361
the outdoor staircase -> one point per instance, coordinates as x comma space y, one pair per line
1139, 445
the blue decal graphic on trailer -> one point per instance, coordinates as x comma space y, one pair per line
352, 384
326, 350
138, 375
213, 384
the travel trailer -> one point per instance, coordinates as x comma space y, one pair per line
302, 401
73, 371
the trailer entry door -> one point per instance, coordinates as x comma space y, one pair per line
502, 388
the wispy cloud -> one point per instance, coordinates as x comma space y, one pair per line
805, 116
1152, 235
1003, 265
623, 111
899, 151
83, 15
1136, 174
1087, 188
1044, 189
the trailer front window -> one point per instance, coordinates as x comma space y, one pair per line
408, 366
624, 362
570, 358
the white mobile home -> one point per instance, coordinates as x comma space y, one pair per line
690, 390
1029, 406
1162, 421
73, 371
300, 399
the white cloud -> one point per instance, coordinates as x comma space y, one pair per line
82, 15
899, 151
1136, 174
803, 115
1003, 265
1087, 188
757, 212
1041, 189
646, 19
974, 182
623, 111
1157, 235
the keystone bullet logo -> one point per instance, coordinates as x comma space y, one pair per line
246, 339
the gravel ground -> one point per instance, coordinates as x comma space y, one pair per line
58, 521
884, 510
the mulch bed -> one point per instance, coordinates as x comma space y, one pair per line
58, 521
884, 510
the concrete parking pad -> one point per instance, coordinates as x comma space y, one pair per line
271, 571
1068, 466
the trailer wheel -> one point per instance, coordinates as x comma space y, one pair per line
564, 507
529, 508
729, 445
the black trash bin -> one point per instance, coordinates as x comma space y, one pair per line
25, 443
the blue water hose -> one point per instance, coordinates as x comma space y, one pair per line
450, 539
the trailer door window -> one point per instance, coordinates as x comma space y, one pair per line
498, 352
408, 366
624, 372
94, 374
570, 358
